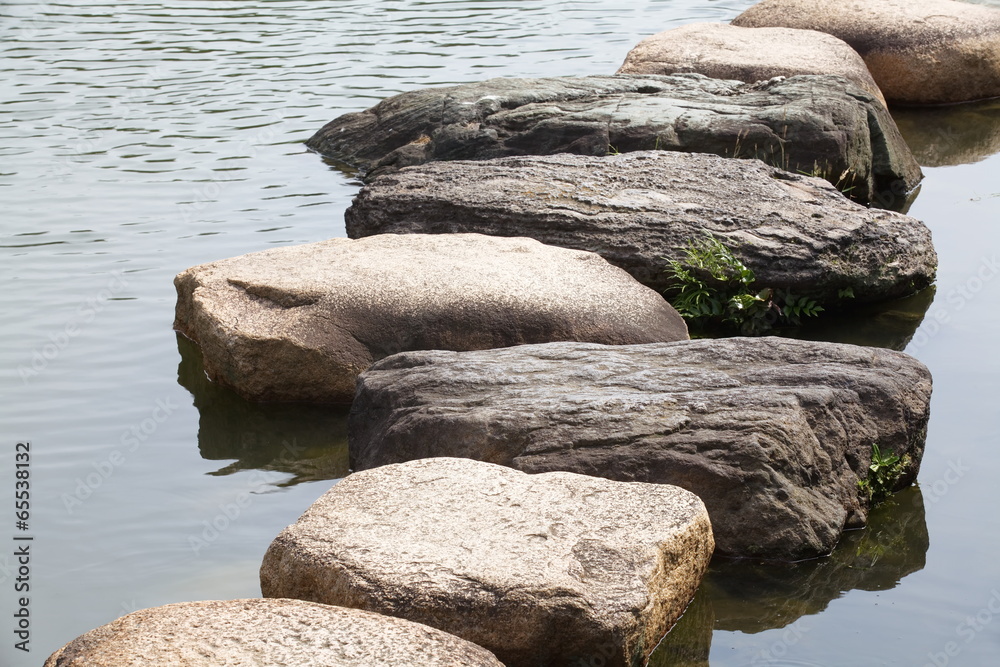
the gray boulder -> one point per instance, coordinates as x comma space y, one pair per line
724, 51
918, 51
300, 323
636, 209
256, 632
820, 125
772, 434
550, 569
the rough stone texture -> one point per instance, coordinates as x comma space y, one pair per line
635, 209
820, 124
300, 323
551, 569
918, 51
724, 51
255, 632
772, 434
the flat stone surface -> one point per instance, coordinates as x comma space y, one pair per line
772, 434
918, 51
300, 323
636, 209
255, 632
550, 569
724, 51
813, 124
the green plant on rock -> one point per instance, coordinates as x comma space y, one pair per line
712, 286
883, 473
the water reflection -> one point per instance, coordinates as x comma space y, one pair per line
307, 441
751, 597
951, 135
890, 324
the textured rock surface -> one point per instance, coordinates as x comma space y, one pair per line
634, 209
552, 569
300, 323
918, 51
724, 51
773, 434
254, 632
811, 124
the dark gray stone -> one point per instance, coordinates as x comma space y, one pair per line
813, 124
772, 434
636, 209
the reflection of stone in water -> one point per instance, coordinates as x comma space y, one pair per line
750, 597
951, 135
890, 324
306, 441
688, 643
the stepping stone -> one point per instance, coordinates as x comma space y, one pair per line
773, 434
639, 209
817, 125
724, 51
300, 323
918, 51
265, 632
550, 569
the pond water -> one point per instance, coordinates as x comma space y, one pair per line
139, 138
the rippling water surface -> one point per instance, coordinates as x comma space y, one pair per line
138, 139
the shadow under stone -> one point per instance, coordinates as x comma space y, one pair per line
889, 324
308, 442
751, 596
951, 135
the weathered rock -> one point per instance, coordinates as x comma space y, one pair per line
724, 51
300, 323
918, 51
265, 632
822, 125
636, 209
552, 569
773, 434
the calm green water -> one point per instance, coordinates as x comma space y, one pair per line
138, 139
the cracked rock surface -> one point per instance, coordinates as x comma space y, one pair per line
773, 434
300, 323
277, 633
549, 569
638, 209
811, 124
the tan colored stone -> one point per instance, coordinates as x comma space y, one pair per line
747, 54
548, 569
254, 632
918, 51
301, 323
